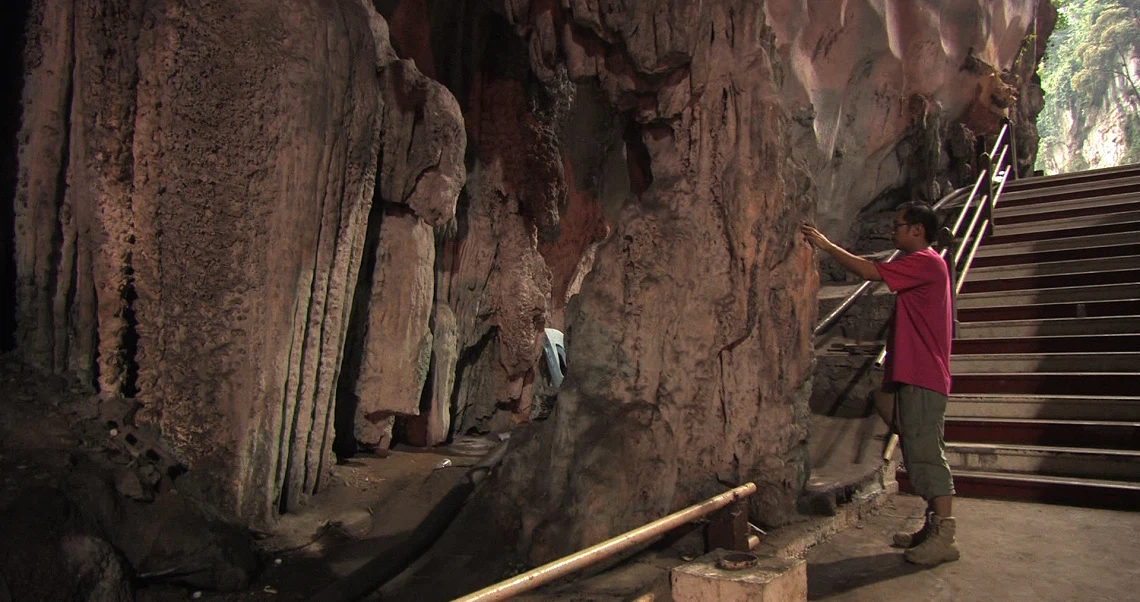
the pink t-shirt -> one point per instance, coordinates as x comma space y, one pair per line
918, 347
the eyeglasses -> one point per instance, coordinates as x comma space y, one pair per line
899, 225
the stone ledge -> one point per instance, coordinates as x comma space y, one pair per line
795, 540
790, 544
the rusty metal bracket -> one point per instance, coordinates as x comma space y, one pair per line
728, 528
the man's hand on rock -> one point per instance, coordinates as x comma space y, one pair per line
815, 237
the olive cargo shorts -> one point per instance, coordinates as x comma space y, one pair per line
920, 416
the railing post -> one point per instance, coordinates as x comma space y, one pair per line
946, 241
728, 528
1012, 149
988, 208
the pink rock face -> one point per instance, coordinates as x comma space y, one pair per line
857, 66
689, 342
422, 144
193, 228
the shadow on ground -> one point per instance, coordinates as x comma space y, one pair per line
830, 578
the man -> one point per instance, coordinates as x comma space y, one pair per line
917, 368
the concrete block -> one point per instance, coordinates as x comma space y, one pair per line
772, 579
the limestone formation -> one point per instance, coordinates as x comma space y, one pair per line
269, 222
394, 362
196, 182
688, 349
856, 68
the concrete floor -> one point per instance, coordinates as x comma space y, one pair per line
1010, 551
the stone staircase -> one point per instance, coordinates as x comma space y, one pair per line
1046, 397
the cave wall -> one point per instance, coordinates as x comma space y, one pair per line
270, 224
689, 341
13, 15
195, 186
859, 77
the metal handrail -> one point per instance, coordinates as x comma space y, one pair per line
830, 320
986, 205
987, 225
833, 317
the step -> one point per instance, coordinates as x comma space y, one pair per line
1058, 229
1086, 253
1070, 209
1051, 432
1045, 197
1055, 268
1075, 407
1061, 197
1070, 491
990, 363
1043, 296
1057, 244
1091, 278
1104, 175
1042, 311
1079, 462
1046, 383
1076, 343
1050, 328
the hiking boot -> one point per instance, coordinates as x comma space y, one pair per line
909, 540
939, 547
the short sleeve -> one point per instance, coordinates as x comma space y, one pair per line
909, 271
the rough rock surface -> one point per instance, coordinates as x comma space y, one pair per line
52, 552
859, 75
190, 228
688, 354
262, 222
394, 361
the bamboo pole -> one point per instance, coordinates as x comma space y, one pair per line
579, 560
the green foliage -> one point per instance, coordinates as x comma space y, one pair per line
1088, 71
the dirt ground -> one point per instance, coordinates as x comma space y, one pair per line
1010, 551
371, 506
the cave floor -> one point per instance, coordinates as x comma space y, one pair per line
1011, 551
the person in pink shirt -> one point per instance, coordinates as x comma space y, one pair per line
917, 371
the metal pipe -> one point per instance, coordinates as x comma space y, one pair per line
966, 207
833, 317
1000, 158
949, 198
1013, 151
569, 564
969, 259
881, 358
1000, 188
992, 207
1001, 136
970, 228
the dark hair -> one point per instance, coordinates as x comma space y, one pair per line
918, 212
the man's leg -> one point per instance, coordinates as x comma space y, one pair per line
884, 401
887, 402
942, 506
921, 416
